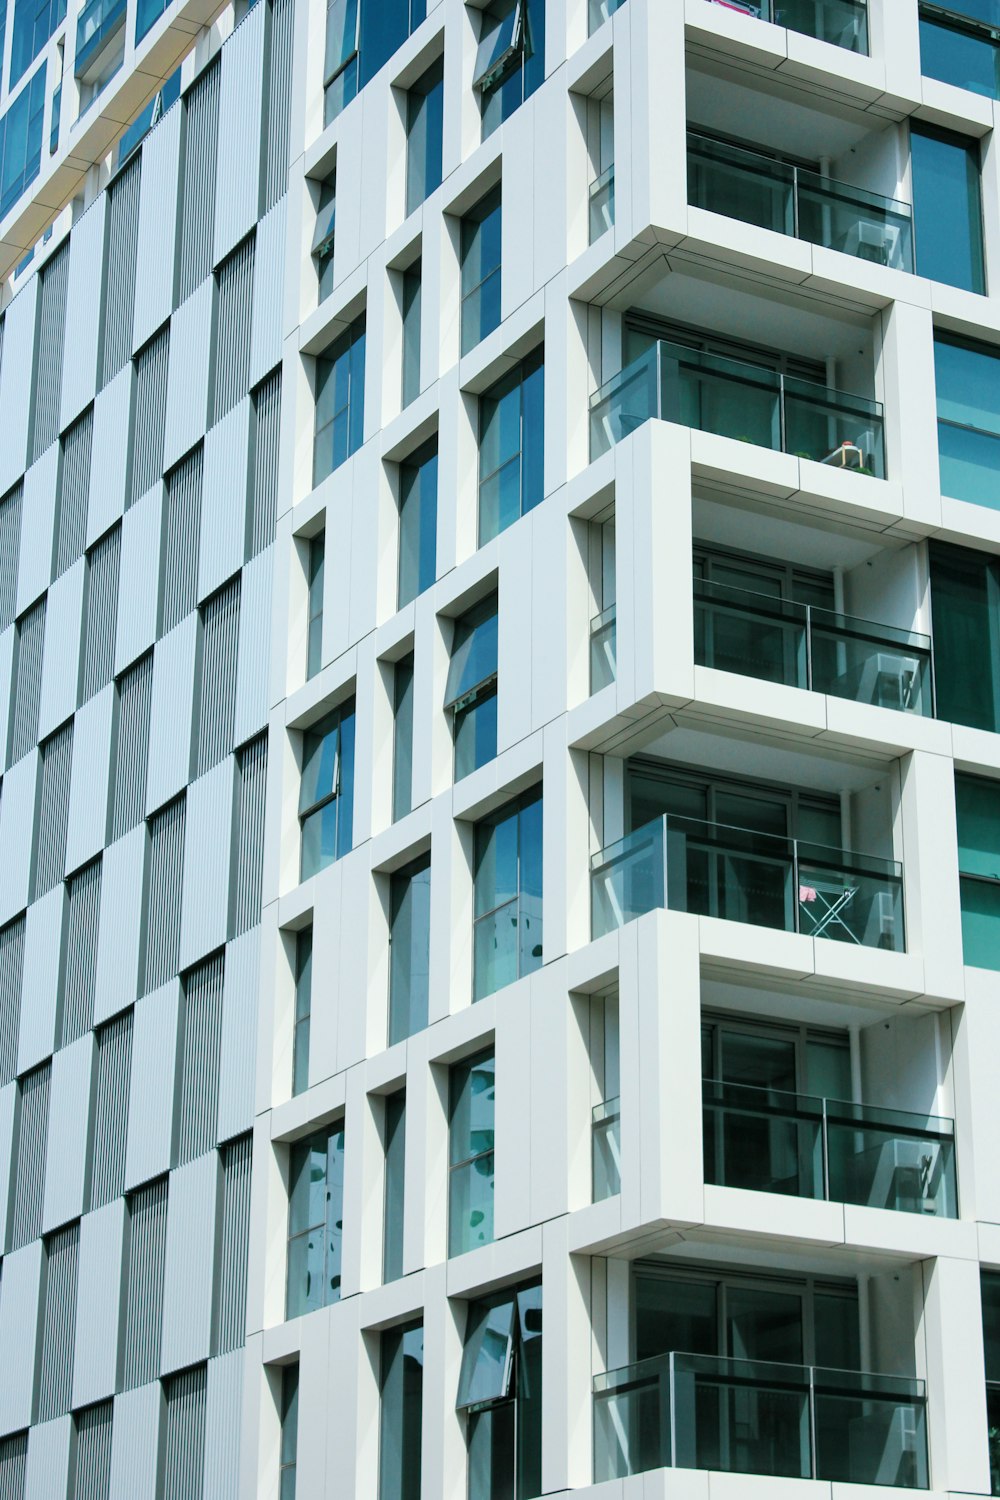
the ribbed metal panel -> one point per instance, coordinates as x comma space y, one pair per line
269, 295
217, 698
119, 274
253, 668
201, 1033
279, 95
83, 311
144, 1294
113, 1074
74, 492
55, 1385
119, 944
100, 612
29, 1158
184, 1440
111, 454
92, 1477
237, 182
82, 919
15, 383
234, 1244
27, 681
151, 368
11, 976
199, 149
155, 275
232, 343
165, 892
53, 284
181, 528
53, 810
266, 432
10, 545
13, 1466
68, 1145
135, 698
248, 862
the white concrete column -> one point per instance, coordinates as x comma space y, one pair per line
951, 1325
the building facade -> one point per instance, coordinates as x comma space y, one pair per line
500, 805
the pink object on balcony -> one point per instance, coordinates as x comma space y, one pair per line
807, 893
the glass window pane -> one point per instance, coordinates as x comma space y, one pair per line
472, 1108
307, 1184
496, 951
409, 950
500, 40
968, 384
425, 118
991, 1322
305, 1273
319, 838
289, 1414
496, 862
486, 1358
402, 762
533, 435
341, 34
474, 650
959, 57
837, 1332
475, 734
417, 524
965, 598
334, 1213
470, 1209
978, 810
395, 1162
764, 1325
411, 334
981, 923
671, 1315
947, 210
402, 1378
320, 768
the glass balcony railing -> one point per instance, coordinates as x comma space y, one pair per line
842, 22
602, 204
605, 1134
98, 21
694, 1411
710, 869
735, 399
778, 640
792, 200
773, 1142
603, 643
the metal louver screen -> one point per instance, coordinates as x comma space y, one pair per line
135, 701
144, 1294
10, 546
49, 358
11, 977
53, 810
119, 275
235, 309
113, 1074
217, 697
184, 1436
55, 1384
28, 681
82, 918
166, 876
267, 429
248, 865
197, 231
279, 95
234, 1243
13, 1466
151, 367
182, 529
92, 1476
101, 615
74, 491
29, 1158
197, 1124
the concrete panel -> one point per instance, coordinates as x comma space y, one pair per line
42, 972
61, 661
237, 183
98, 1303
83, 311
151, 1093
111, 453
69, 1112
253, 661
188, 383
120, 936
15, 383
268, 291
20, 1320
223, 1413
38, 515
224, 500
136, 1456
192, 1223
49, 1448
154, 279
139, 587
8, 1099
17, 819
239, 1034
170, 718
205, 914
88, 790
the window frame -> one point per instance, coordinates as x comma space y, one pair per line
464, 700
515, 809
460, 1074
337, 788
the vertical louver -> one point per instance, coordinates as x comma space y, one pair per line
83, 910
74, 491
119, 276
29, 1157
135, 698
234, 306
248, 845
112, 1076
163, 908
184, 1434
10, 546
217, 696
279, 94
92, 1476
147, 1244
55, 1384
181, 531
13, 1466
49, 358
11, 977
266, 431
234, 1244
197, 227
151, 366
27, 681
201, 1034
101, 614
52, 819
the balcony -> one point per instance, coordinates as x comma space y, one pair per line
844, 23
605, 1136
733, 398
799, 645
99, 21
791, 200
603, 641
693, 1411
710, 869
770, 1141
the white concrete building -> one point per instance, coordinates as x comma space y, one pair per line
500, 814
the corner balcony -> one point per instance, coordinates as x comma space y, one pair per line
694, 1411
736, 399
844, 23
758, 189
711, 869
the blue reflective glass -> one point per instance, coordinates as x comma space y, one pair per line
968, 60
967, 380
418, 523
147, 13
511, 447
402, 738
481, 252
34, 22
21, 141
947, 208
965, 597
395, 1166
340, 401
409, 949
402, 1383
411, 334
424, 136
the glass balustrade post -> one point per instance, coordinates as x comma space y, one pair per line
783, 446
809, 648
663, 856
795, 202
826, 1155
670, 1458
796, 894
660, 354
812, 1423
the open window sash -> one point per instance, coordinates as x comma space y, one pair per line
343, 31
488, 1356
320, 780
473, 667
500, 50
326, 222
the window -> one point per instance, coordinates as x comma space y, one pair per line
289, 1431
361, 36
500, 1388
21, 141
199, 1052
510, 62
314, 637
978, 808
411, 334
481, 270
965, 598
418, 522
315, 1221
507, 923
601, 147
394, 1142
967, 378
424, 136
402, 1392
990, 1289
402, 737
947, 208
470, 1153
959, 44
326, 792
324, 234
34, 22
605, 1053
303, 1010
340, 401
511, 426
471, 691
409, 949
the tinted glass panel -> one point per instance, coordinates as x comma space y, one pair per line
947, 210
